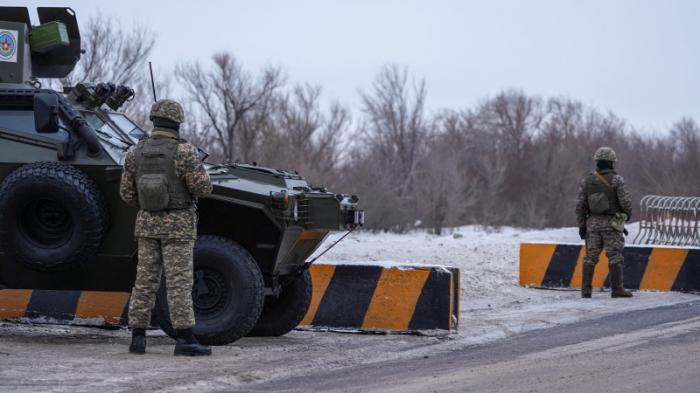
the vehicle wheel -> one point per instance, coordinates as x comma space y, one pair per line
282, 314
52, 216
227, 292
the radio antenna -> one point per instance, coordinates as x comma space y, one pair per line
153, 82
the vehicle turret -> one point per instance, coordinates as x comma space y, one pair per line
48, 50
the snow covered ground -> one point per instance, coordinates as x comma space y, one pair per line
493, 305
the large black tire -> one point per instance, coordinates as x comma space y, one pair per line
227, 294
283, 313
52, 216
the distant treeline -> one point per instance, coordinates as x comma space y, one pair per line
514, 159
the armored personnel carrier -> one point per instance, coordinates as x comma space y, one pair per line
64, 227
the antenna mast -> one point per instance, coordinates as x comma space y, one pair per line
153, 83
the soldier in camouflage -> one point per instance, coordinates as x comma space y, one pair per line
602, 208
163, 177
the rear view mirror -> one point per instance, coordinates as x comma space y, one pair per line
46, 113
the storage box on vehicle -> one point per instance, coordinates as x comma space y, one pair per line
48, 36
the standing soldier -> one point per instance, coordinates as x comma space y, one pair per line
602, 209
164, 177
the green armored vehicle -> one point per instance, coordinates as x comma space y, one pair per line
64, 227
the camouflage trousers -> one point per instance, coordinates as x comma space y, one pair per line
175, 255
613, 242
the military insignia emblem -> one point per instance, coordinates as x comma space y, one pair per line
8, 45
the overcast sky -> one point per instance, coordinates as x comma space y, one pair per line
639, 59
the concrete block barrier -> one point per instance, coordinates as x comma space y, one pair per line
361, 297
384, 297
81, 307
659, 268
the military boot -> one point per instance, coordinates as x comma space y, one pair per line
138, 341
587, 280
187, 344
616, 282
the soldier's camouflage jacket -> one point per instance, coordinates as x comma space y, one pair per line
594, 222
170, 224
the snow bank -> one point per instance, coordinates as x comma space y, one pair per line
493, 305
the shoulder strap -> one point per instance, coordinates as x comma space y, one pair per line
604, 181
137, 153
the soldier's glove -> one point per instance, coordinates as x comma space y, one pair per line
582, 232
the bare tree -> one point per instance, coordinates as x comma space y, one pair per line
226, 95
514, 159
118, 55
112, 53
686, 135
439, 183
510, 122
396, 123
301, 136
483, 167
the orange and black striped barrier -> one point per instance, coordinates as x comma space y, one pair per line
85, 307
378, 298
646, 267
361, 297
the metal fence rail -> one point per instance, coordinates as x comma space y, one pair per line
667, 220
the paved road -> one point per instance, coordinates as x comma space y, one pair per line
654, 350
